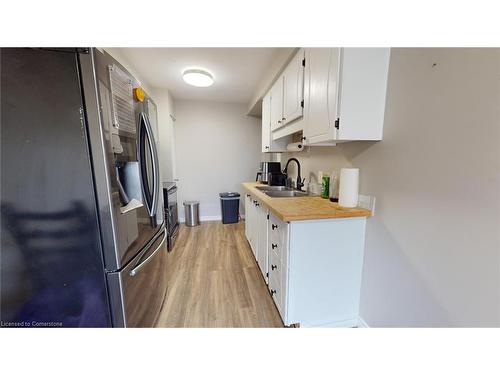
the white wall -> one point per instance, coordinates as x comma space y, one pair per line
217, 148
280, 59
432, 254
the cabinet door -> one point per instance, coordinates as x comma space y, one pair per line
266, 123
363, 90
277, 104
254, 243
322, 80
247, 217
263, 238
293, 89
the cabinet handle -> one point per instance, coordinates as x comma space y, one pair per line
248, 195
267, 147
273, 227
273, 291
279, 121
303, 138
284, 119
273, 267
257, 205
274, 246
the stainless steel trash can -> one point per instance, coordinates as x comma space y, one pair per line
192, 213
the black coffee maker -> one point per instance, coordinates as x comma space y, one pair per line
267, 168
276, 178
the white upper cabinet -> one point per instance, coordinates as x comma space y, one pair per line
293, 89
277, 104
338, 96
322, 79
287, 94
346, 91
268, 144
363, 88
266, 123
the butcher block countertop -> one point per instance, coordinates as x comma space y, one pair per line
303, 208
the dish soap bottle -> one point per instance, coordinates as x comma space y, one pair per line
325, 187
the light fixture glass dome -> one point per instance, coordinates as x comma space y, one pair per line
198, 77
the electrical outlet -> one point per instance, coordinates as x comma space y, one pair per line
367, 202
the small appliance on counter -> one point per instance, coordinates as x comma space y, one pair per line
277, 178
267, 167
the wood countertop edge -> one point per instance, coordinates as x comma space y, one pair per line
270, 202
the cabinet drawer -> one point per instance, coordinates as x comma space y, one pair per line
277, 294
278, 282
278, 243
275, 266
275, 245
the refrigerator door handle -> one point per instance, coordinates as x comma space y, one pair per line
138, 267
151, 197
156, 166
141, 156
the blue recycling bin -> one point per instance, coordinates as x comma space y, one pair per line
230, 207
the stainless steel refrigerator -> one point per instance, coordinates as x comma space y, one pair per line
82, 232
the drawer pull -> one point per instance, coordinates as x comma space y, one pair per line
274, 246
273, 291
273, 267
273, 226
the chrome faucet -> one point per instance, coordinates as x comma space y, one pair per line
300, 183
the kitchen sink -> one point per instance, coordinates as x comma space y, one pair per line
282, 192
273, 188
287, 193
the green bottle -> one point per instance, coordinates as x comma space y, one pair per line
325, 187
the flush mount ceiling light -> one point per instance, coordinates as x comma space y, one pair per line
198, 77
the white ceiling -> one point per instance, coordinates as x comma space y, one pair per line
236, 71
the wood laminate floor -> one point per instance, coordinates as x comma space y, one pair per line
214, 281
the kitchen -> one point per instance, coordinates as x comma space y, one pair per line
297, 186
309, 148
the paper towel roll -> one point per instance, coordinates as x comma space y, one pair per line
349, 187
296, 146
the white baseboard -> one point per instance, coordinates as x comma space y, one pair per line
349, 323
362, 323
204, 218
209, 218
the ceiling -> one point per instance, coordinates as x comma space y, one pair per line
236, 71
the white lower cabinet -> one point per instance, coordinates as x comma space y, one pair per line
315, 270
262, 257
314, 267
256, 216
250, 222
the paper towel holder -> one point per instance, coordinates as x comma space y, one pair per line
295, 147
